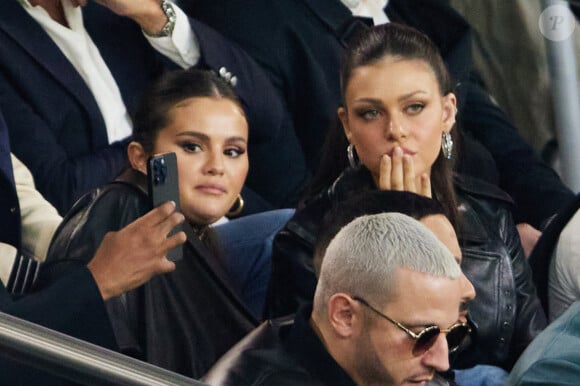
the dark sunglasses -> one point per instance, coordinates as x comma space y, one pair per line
426, 338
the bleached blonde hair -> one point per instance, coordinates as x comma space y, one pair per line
364, 255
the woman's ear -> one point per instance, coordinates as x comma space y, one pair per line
343, 116
449, 111
137, 156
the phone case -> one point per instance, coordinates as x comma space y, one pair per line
163, 184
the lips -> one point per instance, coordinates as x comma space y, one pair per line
213, 189
420, 379
405, 151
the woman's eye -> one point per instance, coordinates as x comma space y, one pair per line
234, 152
369, 114
191, 147
415, 108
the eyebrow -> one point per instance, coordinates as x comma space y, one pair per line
401, 98
205, 137
412, 94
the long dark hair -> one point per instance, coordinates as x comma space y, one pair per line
371, 46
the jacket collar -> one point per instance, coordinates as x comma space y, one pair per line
305, 346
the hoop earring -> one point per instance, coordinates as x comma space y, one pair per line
352, 156
237, 207
447, 145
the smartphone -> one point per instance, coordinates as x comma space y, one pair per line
163, 185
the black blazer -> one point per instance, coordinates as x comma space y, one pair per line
82, 316
10, 231
56, 128
300, 44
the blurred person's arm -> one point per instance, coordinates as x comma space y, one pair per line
39, 218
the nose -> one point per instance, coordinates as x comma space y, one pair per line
467, 289
394, 129
437, 357
214, 164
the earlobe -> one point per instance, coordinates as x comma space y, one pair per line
343, 116
137, 157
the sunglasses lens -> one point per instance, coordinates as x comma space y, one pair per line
426, 339
456, 336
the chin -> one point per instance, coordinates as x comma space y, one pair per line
204, 217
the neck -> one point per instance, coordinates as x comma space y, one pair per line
199, 230
54, 9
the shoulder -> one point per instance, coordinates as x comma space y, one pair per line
259, 359
306, 221
553, 357
475, 189
108, 208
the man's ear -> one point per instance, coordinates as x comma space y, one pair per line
137, 157
342, 315
449, 111
343, 116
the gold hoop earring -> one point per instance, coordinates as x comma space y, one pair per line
237, 207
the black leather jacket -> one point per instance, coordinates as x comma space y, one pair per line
506, 313
183, 320
285, 352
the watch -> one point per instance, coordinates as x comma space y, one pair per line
167, 29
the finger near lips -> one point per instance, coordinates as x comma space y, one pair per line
425, 185
397, 174
385, 173
409, 174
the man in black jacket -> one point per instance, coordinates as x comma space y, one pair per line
386, 311
125, 260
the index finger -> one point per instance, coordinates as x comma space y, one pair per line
159, 214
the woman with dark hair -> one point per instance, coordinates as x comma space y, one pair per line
398, 130
185, 320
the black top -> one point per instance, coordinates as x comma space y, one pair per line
304, 345
281, 352
183, 320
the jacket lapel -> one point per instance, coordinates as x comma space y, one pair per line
24, 30
337, 18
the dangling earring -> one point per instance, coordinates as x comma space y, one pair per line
447, 145
352, 156
237, 207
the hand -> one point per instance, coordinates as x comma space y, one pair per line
147, 13
529, 237
130, 257
398, 173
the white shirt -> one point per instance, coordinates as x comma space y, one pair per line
368, 8
76, 44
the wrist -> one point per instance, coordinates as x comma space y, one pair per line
160, 22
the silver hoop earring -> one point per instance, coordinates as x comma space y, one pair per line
352, 156
447, 145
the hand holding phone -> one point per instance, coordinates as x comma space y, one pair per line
163, 184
